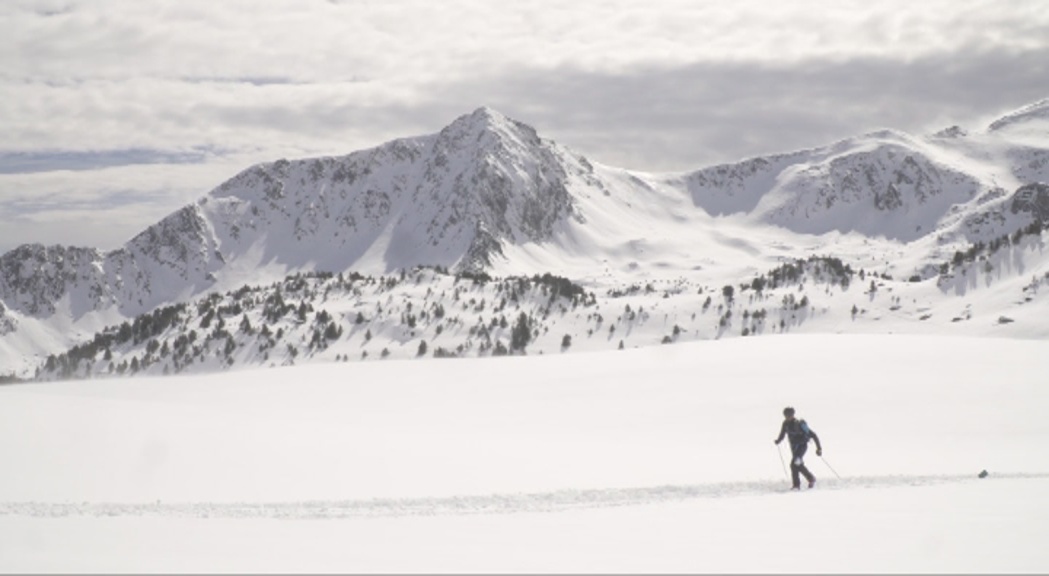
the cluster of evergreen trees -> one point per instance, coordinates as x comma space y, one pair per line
143, 328
248, 317
978, 249
822, 268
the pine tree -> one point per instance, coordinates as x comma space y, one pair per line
521, 334
332, 332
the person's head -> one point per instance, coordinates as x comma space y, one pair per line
788, 413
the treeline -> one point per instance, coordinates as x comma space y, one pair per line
257, 319
823, 269
978, 249
143, 328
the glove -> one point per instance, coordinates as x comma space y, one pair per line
819, 451
776, 442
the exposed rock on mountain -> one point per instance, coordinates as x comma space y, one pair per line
882, 184
1032, 199
1037, 112
34, 278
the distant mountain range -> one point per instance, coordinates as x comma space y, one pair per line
487, 195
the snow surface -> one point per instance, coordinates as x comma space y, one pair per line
641, 460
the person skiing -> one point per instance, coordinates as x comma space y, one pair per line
798, 433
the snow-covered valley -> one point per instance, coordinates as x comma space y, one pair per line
658, 459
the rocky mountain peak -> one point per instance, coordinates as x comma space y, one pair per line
486, 132
951, 132
494, 180
484, 119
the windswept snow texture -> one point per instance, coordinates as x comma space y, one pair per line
651, 460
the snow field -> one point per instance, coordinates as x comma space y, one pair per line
655, 459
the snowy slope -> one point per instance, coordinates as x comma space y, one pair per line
1001, 290
884, 184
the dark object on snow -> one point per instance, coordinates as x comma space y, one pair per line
983, 474
798, 433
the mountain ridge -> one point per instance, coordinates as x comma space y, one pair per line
487, 194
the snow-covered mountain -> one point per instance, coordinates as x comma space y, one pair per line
884, 184
450, 199
487, 195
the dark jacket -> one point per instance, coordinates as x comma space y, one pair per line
798, 433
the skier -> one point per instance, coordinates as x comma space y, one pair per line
798, 432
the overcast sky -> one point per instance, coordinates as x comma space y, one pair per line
115, 113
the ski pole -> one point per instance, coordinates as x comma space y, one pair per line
829, 466
781, 462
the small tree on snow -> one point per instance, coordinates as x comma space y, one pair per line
521, 334
332, 332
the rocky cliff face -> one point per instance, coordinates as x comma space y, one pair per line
1032, 199
35, 278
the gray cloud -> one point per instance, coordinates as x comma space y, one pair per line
103, 207
647, 118
75, 222
30, 162
670, 118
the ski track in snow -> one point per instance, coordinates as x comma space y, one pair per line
554, 501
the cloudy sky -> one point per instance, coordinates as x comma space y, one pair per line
115, 113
